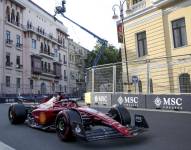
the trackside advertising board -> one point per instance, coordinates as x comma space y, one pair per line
169, 102
129, 100
101, 99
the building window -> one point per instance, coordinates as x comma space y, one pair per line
18, 61
8, 81
151, 86
48, 67
59, 57
31, 84
64, 58
8, 13
136, 1
140, 86
142, 44
13, 16
41, 47
53, 87
18, 84
179, 32
45, 66
8, 36
8, 59
42, 65
18, 19
18, 38
184, 82
33, 44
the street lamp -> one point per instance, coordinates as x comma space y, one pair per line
115, 16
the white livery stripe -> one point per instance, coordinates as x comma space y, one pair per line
4, 146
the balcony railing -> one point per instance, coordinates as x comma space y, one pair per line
9, 64
19, 45
51, 72
41, 32
9, 41
19, 66
46, 53
138, 6
8, 20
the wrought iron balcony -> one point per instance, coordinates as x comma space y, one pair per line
41, 32
19, 45
19, 66
9, 41
46, 53
9, 64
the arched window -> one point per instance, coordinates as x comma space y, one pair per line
151, 86
184, 82
43, 88
13, 16
18, 19
140, 86
8, 14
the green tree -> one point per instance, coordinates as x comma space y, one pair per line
109, 55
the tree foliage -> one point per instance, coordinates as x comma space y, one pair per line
109, 55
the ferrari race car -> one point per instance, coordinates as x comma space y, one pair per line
72, 121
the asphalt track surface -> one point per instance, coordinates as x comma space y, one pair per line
168, 131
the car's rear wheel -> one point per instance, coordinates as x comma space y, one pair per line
17, 114
63, 127
120, 114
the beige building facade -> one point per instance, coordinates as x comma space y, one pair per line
34, 51
158, 45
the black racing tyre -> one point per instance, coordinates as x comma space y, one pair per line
120, 114
63, 127
17, 114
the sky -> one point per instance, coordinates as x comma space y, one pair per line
95, 15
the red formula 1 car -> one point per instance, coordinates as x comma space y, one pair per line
71, 121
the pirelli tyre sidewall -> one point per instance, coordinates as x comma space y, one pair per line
17, 114
63, 127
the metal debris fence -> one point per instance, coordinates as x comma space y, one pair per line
166, 75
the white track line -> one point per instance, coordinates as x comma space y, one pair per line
4, 146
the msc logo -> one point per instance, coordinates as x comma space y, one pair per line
128, 101
120, 100
157, 101
168, 102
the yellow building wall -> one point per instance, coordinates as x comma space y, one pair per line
177, 70
153, 25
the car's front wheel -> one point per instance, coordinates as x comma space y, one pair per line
63, 127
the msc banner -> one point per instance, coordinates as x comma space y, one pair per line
169, 102
101, 99
129, 100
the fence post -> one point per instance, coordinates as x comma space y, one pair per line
93, 80
114, 78
148, 76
